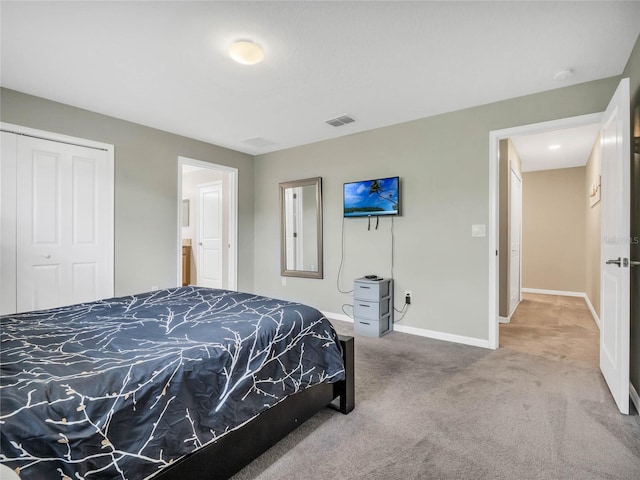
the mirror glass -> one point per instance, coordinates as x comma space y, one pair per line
301, 228
185, 213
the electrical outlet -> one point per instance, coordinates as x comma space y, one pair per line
284, 281
407, 296
154, 288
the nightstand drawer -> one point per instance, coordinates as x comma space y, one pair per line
371, 328
370, 290
370, 310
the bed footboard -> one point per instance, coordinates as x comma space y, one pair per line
344, 391
223, 458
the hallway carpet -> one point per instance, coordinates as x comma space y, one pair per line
536, 408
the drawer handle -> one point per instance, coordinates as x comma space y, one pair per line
362, 305
364, 323
362, 286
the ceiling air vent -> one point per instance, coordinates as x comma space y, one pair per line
258, 142
341, 120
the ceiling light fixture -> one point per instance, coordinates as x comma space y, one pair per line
554, 147
246, 52
564, 74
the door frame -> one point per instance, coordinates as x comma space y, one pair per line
81, 142
494, 182
232, 280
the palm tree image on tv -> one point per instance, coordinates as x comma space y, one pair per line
371, 197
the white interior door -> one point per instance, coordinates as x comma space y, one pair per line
515, 236
210, 236
64, 224
615, 225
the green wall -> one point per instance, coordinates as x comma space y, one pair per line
443, 162
632, 71
146, 187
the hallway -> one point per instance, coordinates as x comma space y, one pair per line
554, 327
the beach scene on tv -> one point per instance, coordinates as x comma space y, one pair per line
371, 197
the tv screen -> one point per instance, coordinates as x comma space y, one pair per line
371, 198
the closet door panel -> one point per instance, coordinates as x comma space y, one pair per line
84, 201
42, 197
41, 230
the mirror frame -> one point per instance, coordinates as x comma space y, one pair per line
317, 182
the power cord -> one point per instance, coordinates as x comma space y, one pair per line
405, 308
403, 311
345, 312
341, 262
392, 247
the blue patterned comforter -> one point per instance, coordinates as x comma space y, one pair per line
120, 388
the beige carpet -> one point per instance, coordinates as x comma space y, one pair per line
553, 327
536, 408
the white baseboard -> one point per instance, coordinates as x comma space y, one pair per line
421, 332
561, 293
504, 319
635, 398
447, 337
514, 308
553, 292
595, 316
338, 316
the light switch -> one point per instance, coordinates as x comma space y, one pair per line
478, 230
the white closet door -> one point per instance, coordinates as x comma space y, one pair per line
8, 144
64, 224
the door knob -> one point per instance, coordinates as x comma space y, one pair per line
615, 262
633, 263
47, 256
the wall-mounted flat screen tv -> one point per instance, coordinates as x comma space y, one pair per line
372, 198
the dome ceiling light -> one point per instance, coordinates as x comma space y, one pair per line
564, 74
246, 52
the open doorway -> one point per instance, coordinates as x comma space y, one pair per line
207, 224
500, 180
550, 259
550, 235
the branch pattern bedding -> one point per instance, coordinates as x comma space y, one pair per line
120, 388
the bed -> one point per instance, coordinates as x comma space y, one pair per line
163, 384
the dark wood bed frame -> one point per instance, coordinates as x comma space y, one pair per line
228, 455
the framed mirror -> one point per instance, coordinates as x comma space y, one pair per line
301, 228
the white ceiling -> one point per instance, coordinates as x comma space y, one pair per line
164, 64
574, 147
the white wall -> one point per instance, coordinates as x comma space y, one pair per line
553, 229
592, 229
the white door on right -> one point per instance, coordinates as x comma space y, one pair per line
615, 232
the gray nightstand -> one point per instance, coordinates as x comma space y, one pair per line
372, 306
